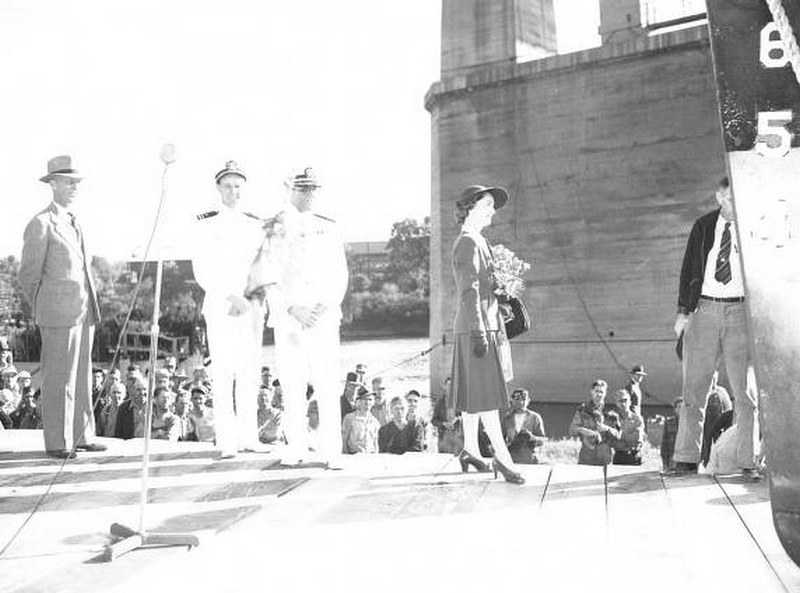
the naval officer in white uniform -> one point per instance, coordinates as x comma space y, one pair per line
305, 310
228, 243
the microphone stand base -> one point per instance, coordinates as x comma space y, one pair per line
132, 540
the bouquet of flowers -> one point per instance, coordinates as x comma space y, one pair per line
509, 280
509, 272
275, 226
265, 269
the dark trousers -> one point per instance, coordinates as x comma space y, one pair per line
627, 457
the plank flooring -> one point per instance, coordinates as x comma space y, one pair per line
382, 523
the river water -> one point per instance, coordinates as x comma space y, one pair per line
385, 358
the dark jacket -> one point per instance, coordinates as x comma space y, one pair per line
478, 309
125, 426
522, 445
401, 440
693, 270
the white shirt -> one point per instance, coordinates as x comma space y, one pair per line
66, 215
712, 287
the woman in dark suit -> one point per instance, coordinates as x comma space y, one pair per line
482, 356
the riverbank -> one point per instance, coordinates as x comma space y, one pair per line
382, 333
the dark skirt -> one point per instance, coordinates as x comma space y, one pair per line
479, 384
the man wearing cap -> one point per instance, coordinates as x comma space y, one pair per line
234, 318
347, 401
634, 387
359, 427
305, 310
712, 320
56, 278
27, 414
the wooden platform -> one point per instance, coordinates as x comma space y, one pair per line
383, 523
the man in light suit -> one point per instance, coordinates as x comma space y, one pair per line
55, 276
305, 310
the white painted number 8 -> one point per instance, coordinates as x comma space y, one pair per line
771, 49
773, 138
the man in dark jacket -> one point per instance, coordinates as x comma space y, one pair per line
130, 417
712, 318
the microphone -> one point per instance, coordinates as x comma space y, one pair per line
167, 154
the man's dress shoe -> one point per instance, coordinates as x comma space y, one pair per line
91, 447
62, 454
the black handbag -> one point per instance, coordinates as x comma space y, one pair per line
515, 316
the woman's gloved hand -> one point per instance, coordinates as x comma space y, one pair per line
480, 343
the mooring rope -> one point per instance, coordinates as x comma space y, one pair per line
411, 359
788, 39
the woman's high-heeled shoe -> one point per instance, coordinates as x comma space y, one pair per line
466, 459
508, 474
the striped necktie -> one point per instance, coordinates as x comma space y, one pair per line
723, 271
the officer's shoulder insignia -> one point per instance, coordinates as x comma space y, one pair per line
325, 218
208, 214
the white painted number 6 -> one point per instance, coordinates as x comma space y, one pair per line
771, 50
773, 138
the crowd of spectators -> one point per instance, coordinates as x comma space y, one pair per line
22, 338
610, 429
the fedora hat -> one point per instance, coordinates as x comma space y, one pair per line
638, 370
473, 192
60, 166
363, 393
198, 387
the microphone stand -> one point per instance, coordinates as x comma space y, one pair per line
133, 539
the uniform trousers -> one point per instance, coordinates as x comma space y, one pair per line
67, 385
310, 356
235, 345
715, 331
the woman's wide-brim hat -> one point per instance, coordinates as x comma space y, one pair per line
474, 192
61, 166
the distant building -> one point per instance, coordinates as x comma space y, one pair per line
369, 258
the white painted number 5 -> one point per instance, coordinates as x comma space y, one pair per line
773, 138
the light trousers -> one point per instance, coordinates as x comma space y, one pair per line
235, 345
306, 356
67, 386
716, 331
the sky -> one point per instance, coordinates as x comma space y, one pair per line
276, 85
